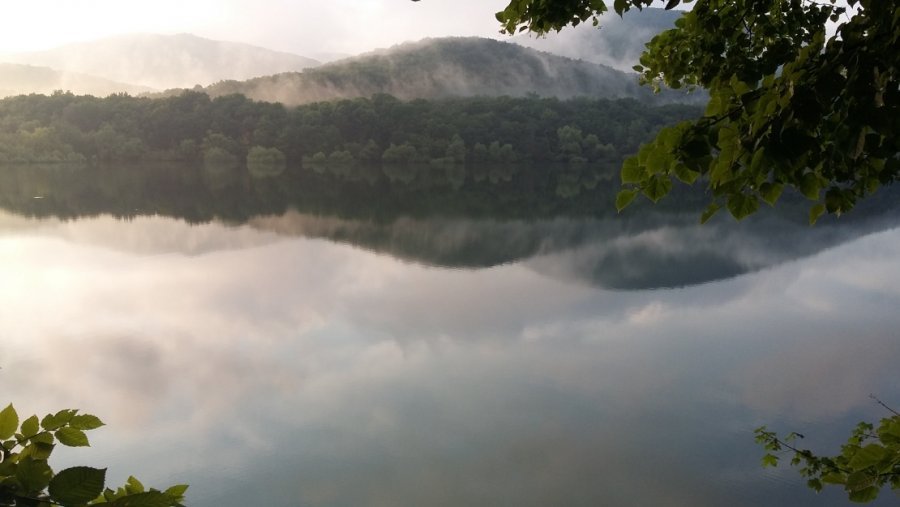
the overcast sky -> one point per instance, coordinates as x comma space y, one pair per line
299, 26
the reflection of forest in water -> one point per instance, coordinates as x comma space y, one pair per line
558, 218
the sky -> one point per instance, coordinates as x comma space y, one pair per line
305, 27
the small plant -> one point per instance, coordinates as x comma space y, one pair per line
26, 478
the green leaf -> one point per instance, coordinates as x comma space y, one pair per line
50, 422
632, 172
177, 491
658, 161
656, 187
810, 187
739, 86
770, 460
624, 198
669, 138
9, 422
770, 192
72, 437
757, 160
864, 495
868, 456
38, 450
86, 422
741, 205
34, 475
7, 469
815, 212
684, 174
708, 213
77, 485
834, 478
148, 499
44, 437
31, 426
133, 486
858, 481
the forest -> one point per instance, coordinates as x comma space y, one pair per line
380, 130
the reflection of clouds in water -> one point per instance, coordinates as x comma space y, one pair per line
148, 235
685, 254
358, 379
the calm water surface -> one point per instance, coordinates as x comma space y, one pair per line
295, 359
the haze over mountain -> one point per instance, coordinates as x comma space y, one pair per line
439, 68
17, 79
618, 42
165, 61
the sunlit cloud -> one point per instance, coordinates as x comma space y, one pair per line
305, 27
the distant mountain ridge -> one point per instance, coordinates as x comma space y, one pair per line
165, 61
440, 68
18, 79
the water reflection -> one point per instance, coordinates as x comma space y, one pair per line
288, 356
280, 370
578, 237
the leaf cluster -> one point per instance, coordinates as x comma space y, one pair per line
792, 105
868, 461
26, 478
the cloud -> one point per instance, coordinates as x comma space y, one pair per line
304, 26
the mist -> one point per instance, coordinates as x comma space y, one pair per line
618, 42
442, 68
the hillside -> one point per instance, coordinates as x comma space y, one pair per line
618, 42
16, 79
165, 61
440, 68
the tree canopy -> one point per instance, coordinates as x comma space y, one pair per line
803, 94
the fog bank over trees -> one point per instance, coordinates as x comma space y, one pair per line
448, 67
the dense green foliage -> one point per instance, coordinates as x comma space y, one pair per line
26, 478
791, 104
869, 460
224, 130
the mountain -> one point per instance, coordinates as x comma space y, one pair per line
440, 68
16, 79
618, 42
165, 61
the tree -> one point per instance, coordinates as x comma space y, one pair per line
792, 104
26, 478
265, 162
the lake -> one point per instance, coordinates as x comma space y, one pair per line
268, 354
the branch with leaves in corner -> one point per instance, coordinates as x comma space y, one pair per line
793, 103
868, 461
26, 478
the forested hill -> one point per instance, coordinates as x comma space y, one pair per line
440, 68
165, 61
18, 79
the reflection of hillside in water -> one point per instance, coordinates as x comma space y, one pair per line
477, 225
651, 251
